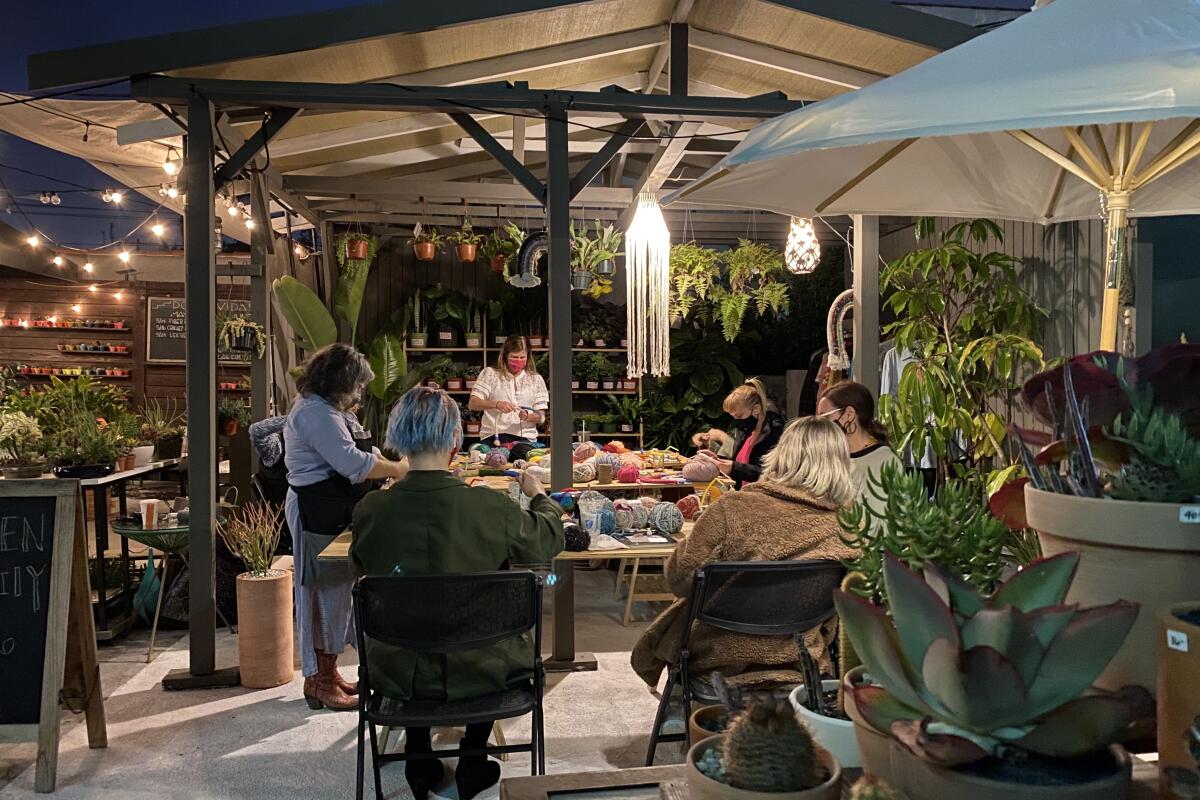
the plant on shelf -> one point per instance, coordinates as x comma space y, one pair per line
426, 242
703, 370
592, 258
450, 309
470, 375
958, 678
418, 315
239, 333
627, 410
471, 422
162, 426
232, 413
473, 325
466, 241
21, 445
81, 447
355, 252
607, 370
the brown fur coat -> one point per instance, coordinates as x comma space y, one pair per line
762, 522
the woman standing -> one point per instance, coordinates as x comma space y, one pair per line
511, 395
757, 426
852, 408
329, 460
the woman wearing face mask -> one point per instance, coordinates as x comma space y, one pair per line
851, 406
511, 395
757, 426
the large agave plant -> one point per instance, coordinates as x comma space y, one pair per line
958, 677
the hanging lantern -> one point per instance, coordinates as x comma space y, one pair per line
803, 251
647, 286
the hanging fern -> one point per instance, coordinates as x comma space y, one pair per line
732, 309
773, 296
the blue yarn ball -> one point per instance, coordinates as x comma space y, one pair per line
666, 518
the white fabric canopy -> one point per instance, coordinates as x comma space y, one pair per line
1071, 63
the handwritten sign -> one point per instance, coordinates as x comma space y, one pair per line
166, 330
26, 555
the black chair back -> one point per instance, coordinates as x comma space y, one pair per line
765, 598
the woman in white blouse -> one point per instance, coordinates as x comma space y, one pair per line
511, 395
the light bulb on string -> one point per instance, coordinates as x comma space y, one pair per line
124, 256
117, 197
249, 223
88, 267
803, 251
117, 295
52, 319
44, 198
170, 165
77, 308
93, 288
172, 192
55, 200
32, 241
58, 261
300, 250
107, 196
24, 323
158, 229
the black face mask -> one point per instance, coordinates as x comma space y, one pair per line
748, 424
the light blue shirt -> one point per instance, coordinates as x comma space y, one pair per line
319, 441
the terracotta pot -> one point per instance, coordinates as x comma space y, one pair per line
466, 252
497, 263
1139, 552
1178, 692
835, 735
600, 342
473, 429
469, 383
229, 427
424, 251
125, 462
265, 629
454, 384
895, 764
356, 249
696, 730
702, 787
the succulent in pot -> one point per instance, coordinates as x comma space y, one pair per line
21, 445
971, 686
418, 316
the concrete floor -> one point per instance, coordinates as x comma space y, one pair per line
234, 743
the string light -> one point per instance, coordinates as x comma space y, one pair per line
88, 267
158, 228
803, 251
24, 323
77, 308
55, 200
117, 295
58, 261
170, 163
300, 250
92, 288
52, 320
107, 196
172, 192
45, 198
124, 256
32, 241
249, 224
117, 197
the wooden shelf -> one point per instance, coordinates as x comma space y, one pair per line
61, 328
414, 350
94, 377
126, 354
604, 391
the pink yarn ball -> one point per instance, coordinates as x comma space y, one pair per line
496, 458
700, 470
632, 459
583, 452
615, 446
689, 506
628, 474
648, 502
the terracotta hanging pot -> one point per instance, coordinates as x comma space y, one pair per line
356, 249
497, 263
229, 427
466, 252
425, 251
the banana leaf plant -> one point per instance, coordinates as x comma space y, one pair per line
355, 252
957, 677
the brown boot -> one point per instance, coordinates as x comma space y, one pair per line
343, 684
322, 690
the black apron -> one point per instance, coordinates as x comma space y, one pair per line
326, 511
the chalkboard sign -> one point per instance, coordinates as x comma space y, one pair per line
166, 330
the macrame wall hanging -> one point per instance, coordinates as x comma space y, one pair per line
647, 290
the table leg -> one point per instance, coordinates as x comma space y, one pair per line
564, 658
632, 591
162, 589
100, 520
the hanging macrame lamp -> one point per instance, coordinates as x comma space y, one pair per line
803, 251
647, 285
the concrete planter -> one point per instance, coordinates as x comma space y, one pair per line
835, 735
1178, 696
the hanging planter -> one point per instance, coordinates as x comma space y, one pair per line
497, 263
465, 252
425, 242
238, 333
357, 249
424, 251
466, 242
606, 267
581, 281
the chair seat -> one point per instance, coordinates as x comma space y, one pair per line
383, 710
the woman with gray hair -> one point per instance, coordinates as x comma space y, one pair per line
330, 460
432, 523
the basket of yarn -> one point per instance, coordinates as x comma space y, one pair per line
596, 513
700, 470
496, 457
689, 506
583, 451
665, 518
629, 514
583, 472
628, 474
577, 538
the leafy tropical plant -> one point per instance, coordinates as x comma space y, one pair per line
959, 677
703, 370
426, 234
79, 439
50, 405
710, 286
20, 439
694, 271
588, 251
311, 322
626, 408
465, 235
352, 277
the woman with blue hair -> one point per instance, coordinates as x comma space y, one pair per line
432, 523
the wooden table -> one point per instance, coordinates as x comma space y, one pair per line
563, 657
543, 787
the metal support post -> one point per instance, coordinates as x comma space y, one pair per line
679, 59
866, 298
558, 214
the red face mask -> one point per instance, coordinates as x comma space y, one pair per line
515, 365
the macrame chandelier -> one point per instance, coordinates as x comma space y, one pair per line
647, 285
803, 251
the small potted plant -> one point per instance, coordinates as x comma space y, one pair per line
466, 242
626, 410
763, 753
471, 423
264, 598
503, 246
230, 414
21, 446
473, 337
426, 242
119, 324
608, 423
163, 425
454, 381
608, 375
418, 336
470, 376
355, 246
82, 448
239, 333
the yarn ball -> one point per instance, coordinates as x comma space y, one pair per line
700, 470
616, 446
479, 447
476, 456
565, 499
648, 502
689, 506
632, 459
583, 472
504, 451
629, 514
537, 453
583, 452
628, 474
611, 459
577, 538
666, 518
496, 458
539, 472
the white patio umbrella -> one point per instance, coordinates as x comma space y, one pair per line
1079, 108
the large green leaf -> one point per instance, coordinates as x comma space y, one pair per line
1082, 726
388, 364
1010, 632
1079, 654
348, 297
1042, 583
920, 616
979, 688
707, 378
310, 320
874, 640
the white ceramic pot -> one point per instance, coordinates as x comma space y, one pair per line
143, 455
835, 735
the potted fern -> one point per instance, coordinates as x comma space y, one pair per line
230, 414
466, 242
20, 446
264, 598
426, 242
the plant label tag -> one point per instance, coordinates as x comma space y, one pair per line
1189, 515
1177, 640
445, 336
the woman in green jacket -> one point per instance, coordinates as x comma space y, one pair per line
431, 523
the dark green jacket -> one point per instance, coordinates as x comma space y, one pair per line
432, 523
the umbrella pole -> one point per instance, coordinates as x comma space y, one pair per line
1117, 230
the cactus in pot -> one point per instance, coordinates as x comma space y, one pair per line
767, 750
871, 788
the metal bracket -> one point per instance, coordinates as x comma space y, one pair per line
598, 162
271, 127
501, 154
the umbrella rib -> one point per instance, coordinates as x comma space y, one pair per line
1181, 157
1139, 148
1123, 133
866, 173
1027, 138
1088, 156
1058, 185
1102, 149
1169, 150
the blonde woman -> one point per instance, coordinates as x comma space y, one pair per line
757, 426
789, 514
